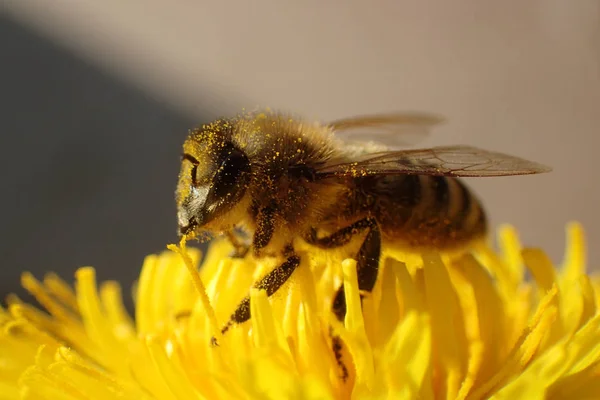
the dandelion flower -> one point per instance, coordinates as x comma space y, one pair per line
435, 327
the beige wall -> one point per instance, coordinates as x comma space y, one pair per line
516, 76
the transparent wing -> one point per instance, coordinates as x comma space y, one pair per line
456, 161
390, 130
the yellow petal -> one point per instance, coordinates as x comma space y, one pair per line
436, 326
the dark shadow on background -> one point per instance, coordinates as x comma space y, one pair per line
88, 167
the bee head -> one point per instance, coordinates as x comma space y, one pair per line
213, 179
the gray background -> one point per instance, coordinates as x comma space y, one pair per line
88, 165
96, 98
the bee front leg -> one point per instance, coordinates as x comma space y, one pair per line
270, 283
274, 279
240, 249
265, 226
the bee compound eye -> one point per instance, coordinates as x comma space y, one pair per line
232, 173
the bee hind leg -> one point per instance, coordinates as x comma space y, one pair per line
341, 237
367, 260
367, 269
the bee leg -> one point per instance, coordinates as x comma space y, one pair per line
240, 249
367, 268
264, 229
341, 237
270, 283
367, 260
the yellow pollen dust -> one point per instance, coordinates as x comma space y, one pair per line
434, 327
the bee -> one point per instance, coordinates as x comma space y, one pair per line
281, 179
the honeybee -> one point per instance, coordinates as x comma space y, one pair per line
281, 179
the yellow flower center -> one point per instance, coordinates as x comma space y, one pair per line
435, 327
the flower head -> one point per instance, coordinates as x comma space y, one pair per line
435, 327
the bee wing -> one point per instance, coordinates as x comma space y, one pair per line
458, 161
391, 130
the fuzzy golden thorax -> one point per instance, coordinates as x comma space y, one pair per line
233, 169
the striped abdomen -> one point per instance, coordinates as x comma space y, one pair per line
431, 211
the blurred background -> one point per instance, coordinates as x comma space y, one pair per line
96, 99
